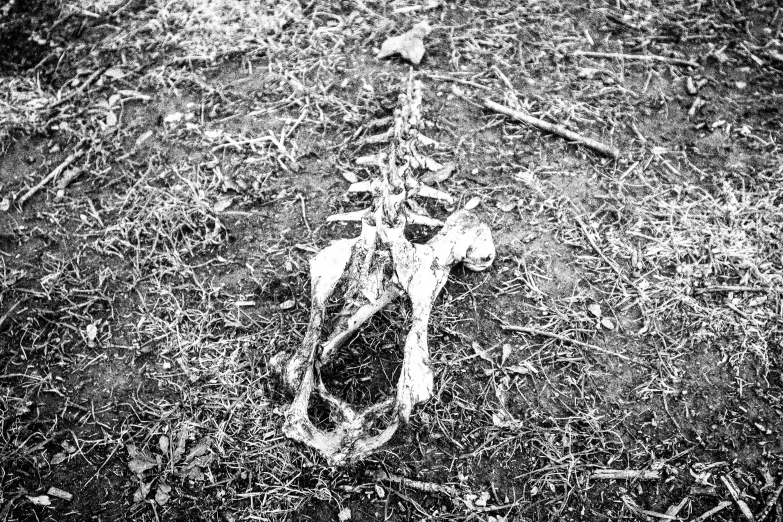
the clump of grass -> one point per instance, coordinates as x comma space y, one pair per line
707, 262
165, 220
222, 390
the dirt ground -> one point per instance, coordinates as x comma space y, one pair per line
145, 287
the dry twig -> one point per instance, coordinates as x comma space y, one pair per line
769, 505
714, 511
53, 174
643, 57
535, 331
737, 496
675, 509
559, 130
626, 474
426, 487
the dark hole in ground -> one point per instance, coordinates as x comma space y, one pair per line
366, 369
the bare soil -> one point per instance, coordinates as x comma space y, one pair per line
139, 307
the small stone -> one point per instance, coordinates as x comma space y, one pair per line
91, 332
163, 443
59, 493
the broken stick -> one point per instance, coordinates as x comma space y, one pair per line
626, 474
597, 146
773, 499
736, 494
53, 174
426, 487
10, 311
644, 514
717, 509
544, 333
675, 509
79, 90
643, 57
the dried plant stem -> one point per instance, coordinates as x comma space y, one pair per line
675, 509
717, 509
80, 90
456, 80
737, 496
642, 57
53, 174
770, 504
604, 149
535, 331
735, 288
9, 312
116, 447
304, 214
431, 487
626, 474
427, 487
591, 240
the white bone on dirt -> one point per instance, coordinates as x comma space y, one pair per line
375, 269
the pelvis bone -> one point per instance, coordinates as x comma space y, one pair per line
378, 267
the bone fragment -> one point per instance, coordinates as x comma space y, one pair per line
350, 216
360, 186
429, 192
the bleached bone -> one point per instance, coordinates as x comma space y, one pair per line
420, 219
420, 271
418, 189
375, 269
429, 192
360, 186
351, 216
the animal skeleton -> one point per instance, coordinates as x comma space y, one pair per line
376, 268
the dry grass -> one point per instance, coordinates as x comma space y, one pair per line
139, 309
